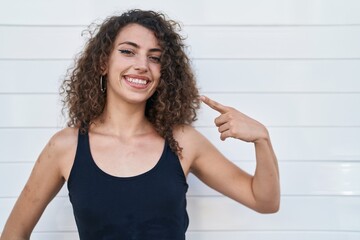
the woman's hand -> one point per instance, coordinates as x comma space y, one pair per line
232, 123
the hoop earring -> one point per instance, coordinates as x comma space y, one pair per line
102, 84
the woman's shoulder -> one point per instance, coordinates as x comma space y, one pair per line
190, 140
186, 132
61, 149
64, 137
63, 142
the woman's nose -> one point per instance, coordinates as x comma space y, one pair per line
141, 63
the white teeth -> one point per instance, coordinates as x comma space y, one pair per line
136, 81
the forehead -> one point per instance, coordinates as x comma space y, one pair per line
138, 34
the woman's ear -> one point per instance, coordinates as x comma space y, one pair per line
104, 69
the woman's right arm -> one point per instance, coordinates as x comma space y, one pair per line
45, 181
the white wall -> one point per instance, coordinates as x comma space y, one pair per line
294, 65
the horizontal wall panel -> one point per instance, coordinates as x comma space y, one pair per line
296, 178
289, 109
274, 42
296, 144
41, 42
220, 213
41, 76
33, 110
30, 141
45, 76
296, 213
328, 178
189, 12
277, 75
290, 144
272, 235
230, 235
221, 42
55, 235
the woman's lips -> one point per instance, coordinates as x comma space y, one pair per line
138, 82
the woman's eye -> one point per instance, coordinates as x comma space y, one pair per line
155, 59
126, 52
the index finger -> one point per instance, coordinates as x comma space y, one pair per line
214, 105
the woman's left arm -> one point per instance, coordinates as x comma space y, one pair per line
261, 191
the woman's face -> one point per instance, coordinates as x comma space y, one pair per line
133, 70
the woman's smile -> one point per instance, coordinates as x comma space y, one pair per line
138, 82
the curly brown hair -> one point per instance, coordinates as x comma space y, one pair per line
176, 98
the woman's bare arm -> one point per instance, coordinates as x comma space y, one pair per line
261, 191
45, 181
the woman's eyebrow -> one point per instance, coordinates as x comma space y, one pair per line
137, 46
130, 43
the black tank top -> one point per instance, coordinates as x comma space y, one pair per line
149, 206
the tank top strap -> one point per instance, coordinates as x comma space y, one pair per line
82, 155
83, 149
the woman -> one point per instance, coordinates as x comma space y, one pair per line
129, 146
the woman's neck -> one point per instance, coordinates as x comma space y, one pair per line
123, 120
